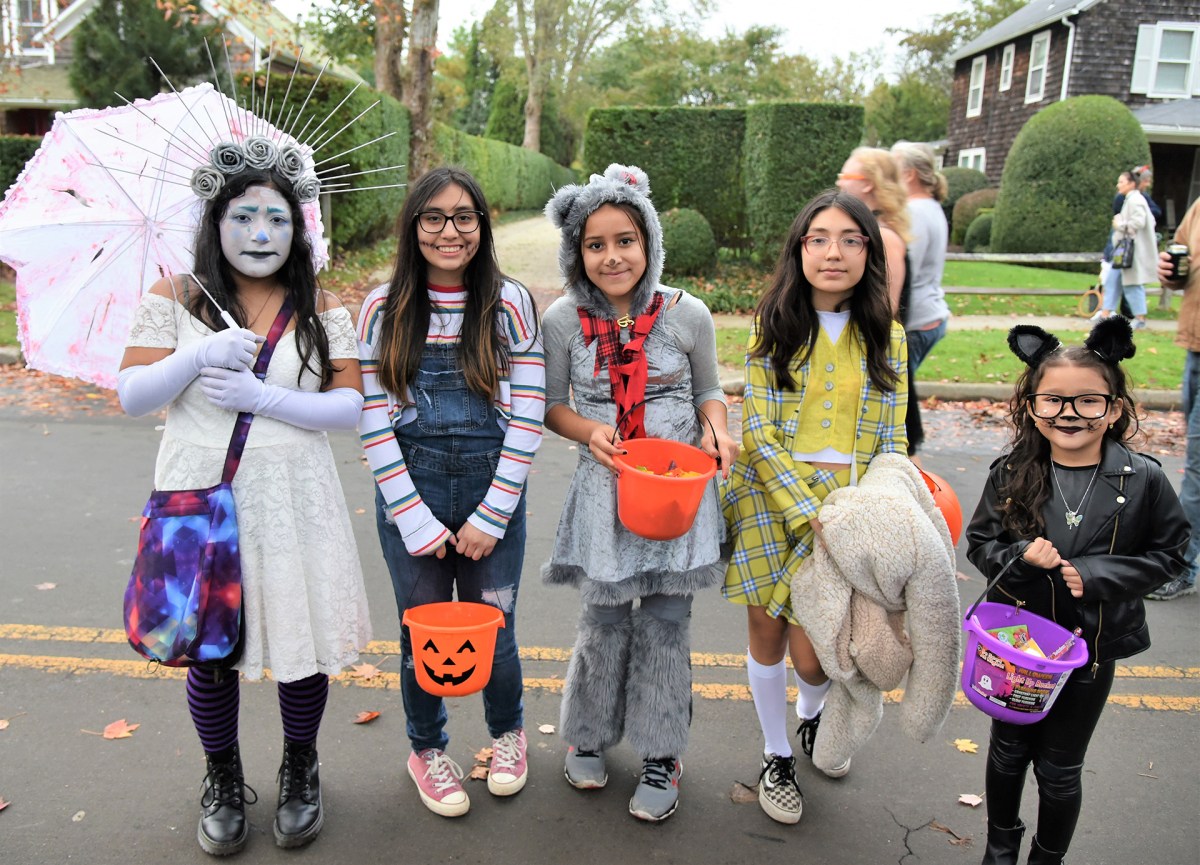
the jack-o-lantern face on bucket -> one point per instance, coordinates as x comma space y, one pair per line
448, 668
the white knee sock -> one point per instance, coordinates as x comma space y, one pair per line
768, 685
811, 700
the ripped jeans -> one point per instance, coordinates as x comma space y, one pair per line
451, 453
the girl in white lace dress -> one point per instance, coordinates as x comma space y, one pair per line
304, 602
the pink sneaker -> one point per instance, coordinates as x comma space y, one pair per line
509, 770
438, 781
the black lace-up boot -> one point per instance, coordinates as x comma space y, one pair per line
223, 828
299, 815
1003, 845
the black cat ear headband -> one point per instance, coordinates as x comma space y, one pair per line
1111, 340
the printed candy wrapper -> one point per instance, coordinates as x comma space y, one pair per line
1016, 635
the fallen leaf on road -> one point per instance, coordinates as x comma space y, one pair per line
478, 773
741, 794
970, 799
961, 576
120, 730
365, 717
45, 587
360, 510
934, 824
4, 803
79, 815
364, 671
546, 728
484, 755
966, 746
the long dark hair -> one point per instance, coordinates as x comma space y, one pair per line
484, 355
787, 320
1027, 483
296, 276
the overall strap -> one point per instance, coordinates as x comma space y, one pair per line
241, 429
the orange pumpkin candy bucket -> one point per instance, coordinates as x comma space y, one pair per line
453, 643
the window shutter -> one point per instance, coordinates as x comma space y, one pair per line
1143, 59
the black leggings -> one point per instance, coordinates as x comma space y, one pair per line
1056, 746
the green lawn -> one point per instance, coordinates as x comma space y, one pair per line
983, 355
8, 312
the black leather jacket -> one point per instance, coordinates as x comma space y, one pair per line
1131, 541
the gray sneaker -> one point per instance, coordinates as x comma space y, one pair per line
778, 793
1177, 588
585, 769
657, 793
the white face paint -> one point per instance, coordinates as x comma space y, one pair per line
256, 232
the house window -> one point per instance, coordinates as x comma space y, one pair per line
1039, 58
973, 157
31, 17
1006, 65
975, 91
1166, 63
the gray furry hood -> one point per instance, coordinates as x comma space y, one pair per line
569, 210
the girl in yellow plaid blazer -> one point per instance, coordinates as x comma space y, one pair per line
821, 397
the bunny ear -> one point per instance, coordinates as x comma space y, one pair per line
558, 208
1112, 339
1031, 344
630, 175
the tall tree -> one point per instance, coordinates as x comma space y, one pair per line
114, 44
418, 83
390, 24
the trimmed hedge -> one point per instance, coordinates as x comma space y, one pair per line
1057, 187
688, 242
967, 208
959, 182
15, 151
512, 178
693, 157
792, 152
979, 233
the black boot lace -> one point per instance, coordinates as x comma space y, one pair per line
657, 773
295, 777
225, 785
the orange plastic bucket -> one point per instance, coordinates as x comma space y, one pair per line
947, 501
651, 505
453, 643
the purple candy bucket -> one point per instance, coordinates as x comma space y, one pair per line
1005, 682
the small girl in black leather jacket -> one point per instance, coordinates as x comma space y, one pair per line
1102, 527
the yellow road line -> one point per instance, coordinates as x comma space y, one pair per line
39, 633
391, 681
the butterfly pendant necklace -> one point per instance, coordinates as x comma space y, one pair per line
1074, 515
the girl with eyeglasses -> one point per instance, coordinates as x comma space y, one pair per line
1095, 526
455, 382
825, 389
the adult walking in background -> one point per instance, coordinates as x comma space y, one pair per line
1144, 176
1135, 221
871, 176
1187, 336
923, 308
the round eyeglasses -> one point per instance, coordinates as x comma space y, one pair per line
1090, 406
435, 222
849, 244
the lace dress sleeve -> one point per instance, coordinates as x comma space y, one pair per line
339, 327
154, 324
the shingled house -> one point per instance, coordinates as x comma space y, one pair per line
1144, 53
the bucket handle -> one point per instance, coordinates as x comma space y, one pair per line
622, 416
1021, 547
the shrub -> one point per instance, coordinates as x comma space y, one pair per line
979, 234
688, 242
1057, 187
15, 151
960, 181
512, 178
967, 208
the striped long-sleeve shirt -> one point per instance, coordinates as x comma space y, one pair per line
520, 401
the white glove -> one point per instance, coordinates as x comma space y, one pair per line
144, 389
241, 390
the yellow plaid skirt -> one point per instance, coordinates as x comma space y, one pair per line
765, 554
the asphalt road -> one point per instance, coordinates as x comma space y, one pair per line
70, 492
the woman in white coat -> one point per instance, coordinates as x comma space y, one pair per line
1136, 221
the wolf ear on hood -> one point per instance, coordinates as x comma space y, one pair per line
569, 208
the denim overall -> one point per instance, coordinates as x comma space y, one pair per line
451, 449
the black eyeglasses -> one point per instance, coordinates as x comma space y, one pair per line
435, 222
849, 244
1089, 406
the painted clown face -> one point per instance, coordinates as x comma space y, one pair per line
256, 232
